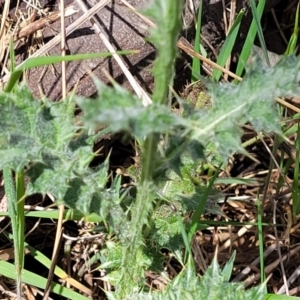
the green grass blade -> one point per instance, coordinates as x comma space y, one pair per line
70, 214
250, 39
261, 242
296, 191
12, 55
77, 216
208, 223
256, 17
196, 61
279, 297
44, 260
199, 210
293, 129
15, 191
48, 60
228, 45
227, 270
237, 180
12, 203
188, 253
291, 48
20, 187
7, 269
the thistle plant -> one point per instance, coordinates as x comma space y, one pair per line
43, 141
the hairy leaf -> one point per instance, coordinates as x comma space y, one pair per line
250, 101
42, 138
119, 110
31, 130
213, 285
167, 18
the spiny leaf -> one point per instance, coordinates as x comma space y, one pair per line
213, 285
29, 127
166, 15
42, 138
252, 100
166, 230
121, 111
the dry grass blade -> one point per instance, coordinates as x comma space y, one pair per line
272, 266
51, 270
59, 229
145, 19
279, 27
184, 45
248, 269
136, 87
43, 50
3, 28
291, 279
39, 24
4, 16
187, 47
241, 232
279, 250
231, 21
63, 48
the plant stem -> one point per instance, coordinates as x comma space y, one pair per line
164, 37
14, 195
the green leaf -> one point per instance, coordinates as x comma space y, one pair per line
252, 100
16, 124
48, 60
8, 270
213, 286
227, 47
121, 111
166, 230
42, 138
29, 128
